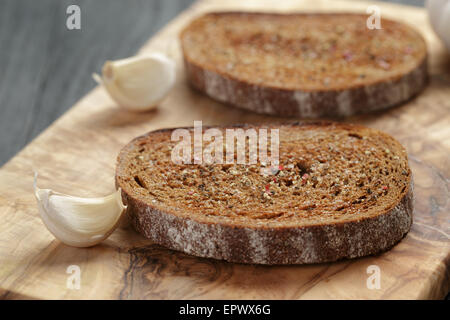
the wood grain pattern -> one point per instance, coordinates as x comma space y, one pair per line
77, 155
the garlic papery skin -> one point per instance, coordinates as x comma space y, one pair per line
79, 222
439, 16
138, 83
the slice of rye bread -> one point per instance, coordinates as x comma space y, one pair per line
341, 191
304, 65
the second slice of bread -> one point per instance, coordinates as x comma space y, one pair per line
304, 65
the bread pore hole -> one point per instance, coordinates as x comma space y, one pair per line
140, 182
303, 168
354, 135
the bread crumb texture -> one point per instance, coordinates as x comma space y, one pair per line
304, 65
339, 191
334, 174
302, 51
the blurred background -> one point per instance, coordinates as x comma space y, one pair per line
45, 68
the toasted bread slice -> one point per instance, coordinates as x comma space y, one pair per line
304, 65
340, 191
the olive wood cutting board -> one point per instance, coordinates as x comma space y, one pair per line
77, 155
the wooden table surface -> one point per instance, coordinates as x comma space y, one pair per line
78, 153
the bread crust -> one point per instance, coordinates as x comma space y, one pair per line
270, 245
307, 104
340, 102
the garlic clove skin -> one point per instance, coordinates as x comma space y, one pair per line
439, 17
79, 222
138, 83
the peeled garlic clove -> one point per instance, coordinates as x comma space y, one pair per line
79, 222
138, 83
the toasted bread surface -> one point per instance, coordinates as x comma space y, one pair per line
308, 65
339, 191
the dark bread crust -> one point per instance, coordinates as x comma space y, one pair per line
318, 103
307, 104
269, 245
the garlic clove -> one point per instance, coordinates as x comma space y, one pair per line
79, 222
138, 83
439, 17
444, 25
